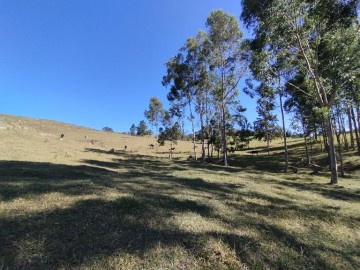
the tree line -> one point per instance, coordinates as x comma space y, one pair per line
304, 54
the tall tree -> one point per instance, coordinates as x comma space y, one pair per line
187, 78
142, 129
155, 113
265, 125
171, 134
297, 31
225, 64
133, 129
266, 70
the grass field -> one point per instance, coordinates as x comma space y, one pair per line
71, 204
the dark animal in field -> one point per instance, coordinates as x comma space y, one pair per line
190, 158
294, 169
125, 147
172, 149
316, 168
112, 150
254, 152
231, 149
240, 147
151, 146
62, 136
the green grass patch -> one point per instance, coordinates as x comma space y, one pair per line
152, 214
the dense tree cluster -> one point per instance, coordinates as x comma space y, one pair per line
140, 130
309, 50
304, 56
107, 129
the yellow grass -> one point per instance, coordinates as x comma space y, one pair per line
71, 204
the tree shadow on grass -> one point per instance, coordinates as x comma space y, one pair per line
19, 179
307, 249
134, 224
329, 191
107, 152
89, 230
273, 163
92, 229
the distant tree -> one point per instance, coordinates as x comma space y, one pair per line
170, 134
133, 129
107, 129
265, 125
142, 129
155, 114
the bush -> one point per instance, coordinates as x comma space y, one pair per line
107, 129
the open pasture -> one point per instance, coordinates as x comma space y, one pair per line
72, 204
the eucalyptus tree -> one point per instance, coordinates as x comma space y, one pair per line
155, 113
133, 129
198, 55
267, 69
171, 134
182, 91
187, 76
226, 65
298, 31
265, 125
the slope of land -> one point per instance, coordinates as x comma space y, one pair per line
70, 203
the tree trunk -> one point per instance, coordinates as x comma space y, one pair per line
156, 137
352, 144
267, 140
326, 140
202, 138
223, 134
305, 140
193, 130
357, 106
338, 134
208, 150
342, 129
332, 154
286, 155
325, 136
356, 129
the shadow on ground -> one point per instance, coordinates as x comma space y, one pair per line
138, 221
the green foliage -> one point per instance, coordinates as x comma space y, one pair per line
306, 38
142, 129
107, 129
156, 113
171, 134
133, 129
265, 125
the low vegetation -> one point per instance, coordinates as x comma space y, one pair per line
73, 204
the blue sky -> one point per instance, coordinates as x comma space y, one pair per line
94, 63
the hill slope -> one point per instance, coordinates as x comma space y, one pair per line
31, 139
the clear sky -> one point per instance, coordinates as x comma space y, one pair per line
94, 63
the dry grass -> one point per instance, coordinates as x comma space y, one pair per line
70, 204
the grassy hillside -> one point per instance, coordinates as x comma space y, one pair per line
71, 204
